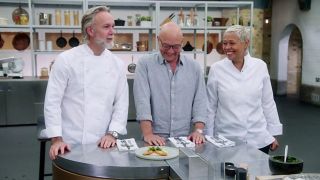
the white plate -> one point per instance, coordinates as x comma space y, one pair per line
305, 176
172, 153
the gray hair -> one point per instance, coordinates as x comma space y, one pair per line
88, 17
242, 32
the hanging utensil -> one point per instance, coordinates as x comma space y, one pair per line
171, 16
132, 66
61, 41
219, 48
209, 47
21, 41
168, 19
1, 41
74, 41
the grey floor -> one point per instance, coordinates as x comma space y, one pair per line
19, 148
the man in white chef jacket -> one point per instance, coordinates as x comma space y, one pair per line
87, 95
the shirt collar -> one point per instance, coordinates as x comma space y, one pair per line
161, 60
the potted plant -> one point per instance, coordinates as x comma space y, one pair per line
145, 21
209, 20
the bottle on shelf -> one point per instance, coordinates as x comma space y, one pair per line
58, 17
181, 18
241, 20
76, 18
129, 20
67, 18
192, 17
196, 20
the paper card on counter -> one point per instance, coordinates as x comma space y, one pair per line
127, 144
220, 141
176, 142
182, 142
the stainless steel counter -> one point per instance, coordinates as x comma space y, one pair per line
90, 160
25, 78
203, 162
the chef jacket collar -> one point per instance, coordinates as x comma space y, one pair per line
246, 63
89, 50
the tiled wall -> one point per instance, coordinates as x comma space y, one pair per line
294, 63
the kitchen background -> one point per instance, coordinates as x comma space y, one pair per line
289, 43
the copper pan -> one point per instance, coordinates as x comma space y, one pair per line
21, 41
1, 41
209, 47
219, 48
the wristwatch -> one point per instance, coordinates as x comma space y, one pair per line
114, 134
199, 131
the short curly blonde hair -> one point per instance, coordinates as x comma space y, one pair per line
241, 31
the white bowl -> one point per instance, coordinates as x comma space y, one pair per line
3, 21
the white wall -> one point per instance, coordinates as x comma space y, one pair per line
286, 13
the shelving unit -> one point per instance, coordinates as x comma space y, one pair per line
198, 35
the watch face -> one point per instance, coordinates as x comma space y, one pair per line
115, 134
199, 131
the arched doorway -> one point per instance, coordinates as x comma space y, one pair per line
294, 63
290, 60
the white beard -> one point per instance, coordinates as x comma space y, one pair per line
104, 44
109, 45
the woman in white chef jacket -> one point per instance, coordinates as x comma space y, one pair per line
240, 97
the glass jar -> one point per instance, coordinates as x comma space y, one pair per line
67, 18
188, 22
44, 72
58, 16
129, 20
241, 21
76, 18
24, 19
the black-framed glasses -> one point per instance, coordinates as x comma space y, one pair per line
167, 47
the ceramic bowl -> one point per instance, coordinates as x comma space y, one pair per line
277, 165
219, 21
119, 22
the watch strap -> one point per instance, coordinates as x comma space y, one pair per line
114, 134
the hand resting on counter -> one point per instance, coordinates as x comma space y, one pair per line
153, 139
58, 146
107, 141
196, 138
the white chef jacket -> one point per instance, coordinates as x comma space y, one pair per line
241, 104
86, 96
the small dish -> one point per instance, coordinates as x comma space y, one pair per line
172, 153
278, 166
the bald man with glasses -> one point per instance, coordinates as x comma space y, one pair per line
169, 92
